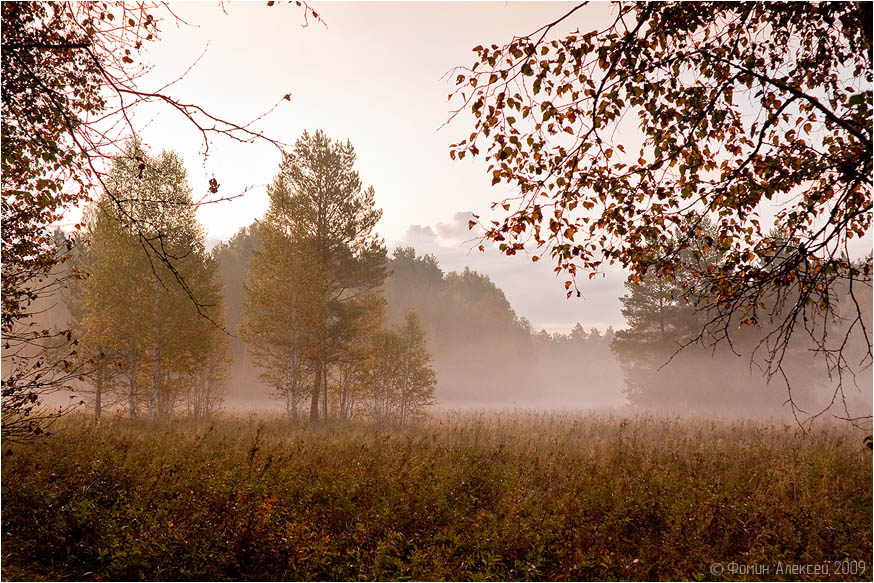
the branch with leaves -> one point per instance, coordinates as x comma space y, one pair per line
623, 141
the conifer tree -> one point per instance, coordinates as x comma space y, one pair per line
319, 256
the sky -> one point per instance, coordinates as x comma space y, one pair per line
375, 74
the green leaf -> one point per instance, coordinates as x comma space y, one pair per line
857, 99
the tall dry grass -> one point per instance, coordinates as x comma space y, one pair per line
460, 497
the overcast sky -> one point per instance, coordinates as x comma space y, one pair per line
375, 76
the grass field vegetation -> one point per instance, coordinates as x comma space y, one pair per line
460, 497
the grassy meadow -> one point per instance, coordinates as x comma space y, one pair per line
459, 497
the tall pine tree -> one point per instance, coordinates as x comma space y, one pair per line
319, 255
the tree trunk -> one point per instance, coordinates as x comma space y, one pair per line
132, 395
291, 399
153, 397
346, 394
294, 399
403, 404
292, 393
98, 395
325, 393
156, 354
314, 403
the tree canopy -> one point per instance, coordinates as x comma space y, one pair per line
623, 141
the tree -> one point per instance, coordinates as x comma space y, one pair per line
171, 350
399, 379
69, 89
417, 378
732, 127
318, 243
659, 322
99, 249
705, 380
665, 370
280, 309
363, 325
210, 367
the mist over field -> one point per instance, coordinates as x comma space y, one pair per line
488, 357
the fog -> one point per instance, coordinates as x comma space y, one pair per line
488, 356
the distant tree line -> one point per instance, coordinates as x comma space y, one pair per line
484, 354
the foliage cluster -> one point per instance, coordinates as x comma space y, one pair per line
518, 497
49, 85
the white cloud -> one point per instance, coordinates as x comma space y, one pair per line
457, 231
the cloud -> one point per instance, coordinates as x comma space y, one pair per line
419, 235
457, 231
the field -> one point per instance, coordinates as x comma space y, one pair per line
460, 497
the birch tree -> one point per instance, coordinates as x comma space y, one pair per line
132, 306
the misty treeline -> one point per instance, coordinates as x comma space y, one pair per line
671, 365
485, 356
306, 305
